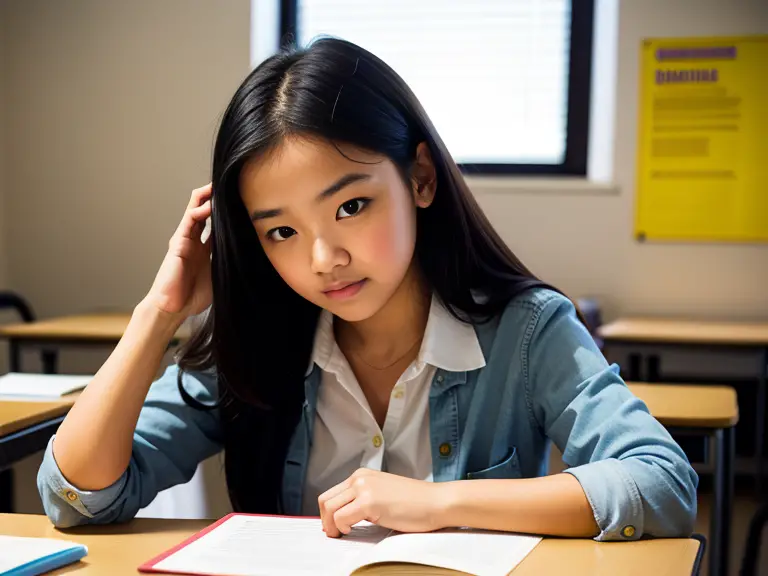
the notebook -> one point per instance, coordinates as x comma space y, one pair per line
41, 385
31, 556
251, 545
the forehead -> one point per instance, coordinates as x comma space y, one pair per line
306, 165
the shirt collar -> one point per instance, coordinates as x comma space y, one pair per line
448, 343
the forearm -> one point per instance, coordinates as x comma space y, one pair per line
552, 505
93, 445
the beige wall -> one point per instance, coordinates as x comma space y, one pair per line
583, 243
3, 211
114, 107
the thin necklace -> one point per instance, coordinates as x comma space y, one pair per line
388, 365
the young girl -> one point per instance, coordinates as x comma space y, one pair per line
372, 350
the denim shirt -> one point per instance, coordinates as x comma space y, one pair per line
544, 380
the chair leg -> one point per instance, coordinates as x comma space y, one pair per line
754, 537
6, 491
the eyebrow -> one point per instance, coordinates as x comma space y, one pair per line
337, 186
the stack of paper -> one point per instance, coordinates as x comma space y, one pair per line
41, 385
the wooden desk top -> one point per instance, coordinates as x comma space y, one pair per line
118, 550
690, 406
16, 415
680, 331
89, 327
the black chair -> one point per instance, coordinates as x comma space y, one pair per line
754, 538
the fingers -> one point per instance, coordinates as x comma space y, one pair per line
325, 497
349, 515
199, 195
332, 508
193, 222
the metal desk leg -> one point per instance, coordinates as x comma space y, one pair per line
50, 359
6, 491
14, 355
635, 367
722, 504
653, 370
760, 421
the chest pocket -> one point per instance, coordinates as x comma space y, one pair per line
509, 468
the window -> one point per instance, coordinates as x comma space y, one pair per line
506, 82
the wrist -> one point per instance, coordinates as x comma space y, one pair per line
446, 504
156, 320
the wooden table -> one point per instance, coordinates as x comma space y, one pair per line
711, 411
86, 330
637, 333
118, 549
26, 426
105, 329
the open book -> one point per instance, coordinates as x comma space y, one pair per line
249, 545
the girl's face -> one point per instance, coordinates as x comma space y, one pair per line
341, 233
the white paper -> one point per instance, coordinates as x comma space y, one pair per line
471, 551
274, 546
269, 546
16, 551
41, 385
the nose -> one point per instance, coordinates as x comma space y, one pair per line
326, 256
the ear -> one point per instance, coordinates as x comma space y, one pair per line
423, 177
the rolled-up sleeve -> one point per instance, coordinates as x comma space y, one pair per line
637, 479
170, 440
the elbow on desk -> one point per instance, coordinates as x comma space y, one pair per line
673, 507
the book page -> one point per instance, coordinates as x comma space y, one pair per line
16, 551
41, 385
273, 546
478, 552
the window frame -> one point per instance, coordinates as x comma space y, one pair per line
579, 92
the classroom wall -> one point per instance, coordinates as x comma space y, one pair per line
3, 212
112, 109
583, 242
113, 106
4, 279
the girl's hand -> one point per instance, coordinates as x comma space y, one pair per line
182, 287
388, 500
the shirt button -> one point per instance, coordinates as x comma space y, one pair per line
440, 378
71, 496
445, 449
377, 441
628, 531
398, 393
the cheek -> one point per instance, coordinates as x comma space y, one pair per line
388, 242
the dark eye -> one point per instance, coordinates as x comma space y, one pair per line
281, 234
351, 208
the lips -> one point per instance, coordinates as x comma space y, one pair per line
344, 290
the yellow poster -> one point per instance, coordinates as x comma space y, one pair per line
702, 165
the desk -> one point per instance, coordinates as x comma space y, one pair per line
637, 333
104, 329
86, 330
118, 550
710, 411
25, 428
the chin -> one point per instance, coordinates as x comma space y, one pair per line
353, 312
359, 308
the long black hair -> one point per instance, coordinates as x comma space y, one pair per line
258, 334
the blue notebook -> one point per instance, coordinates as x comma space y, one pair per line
32, 556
